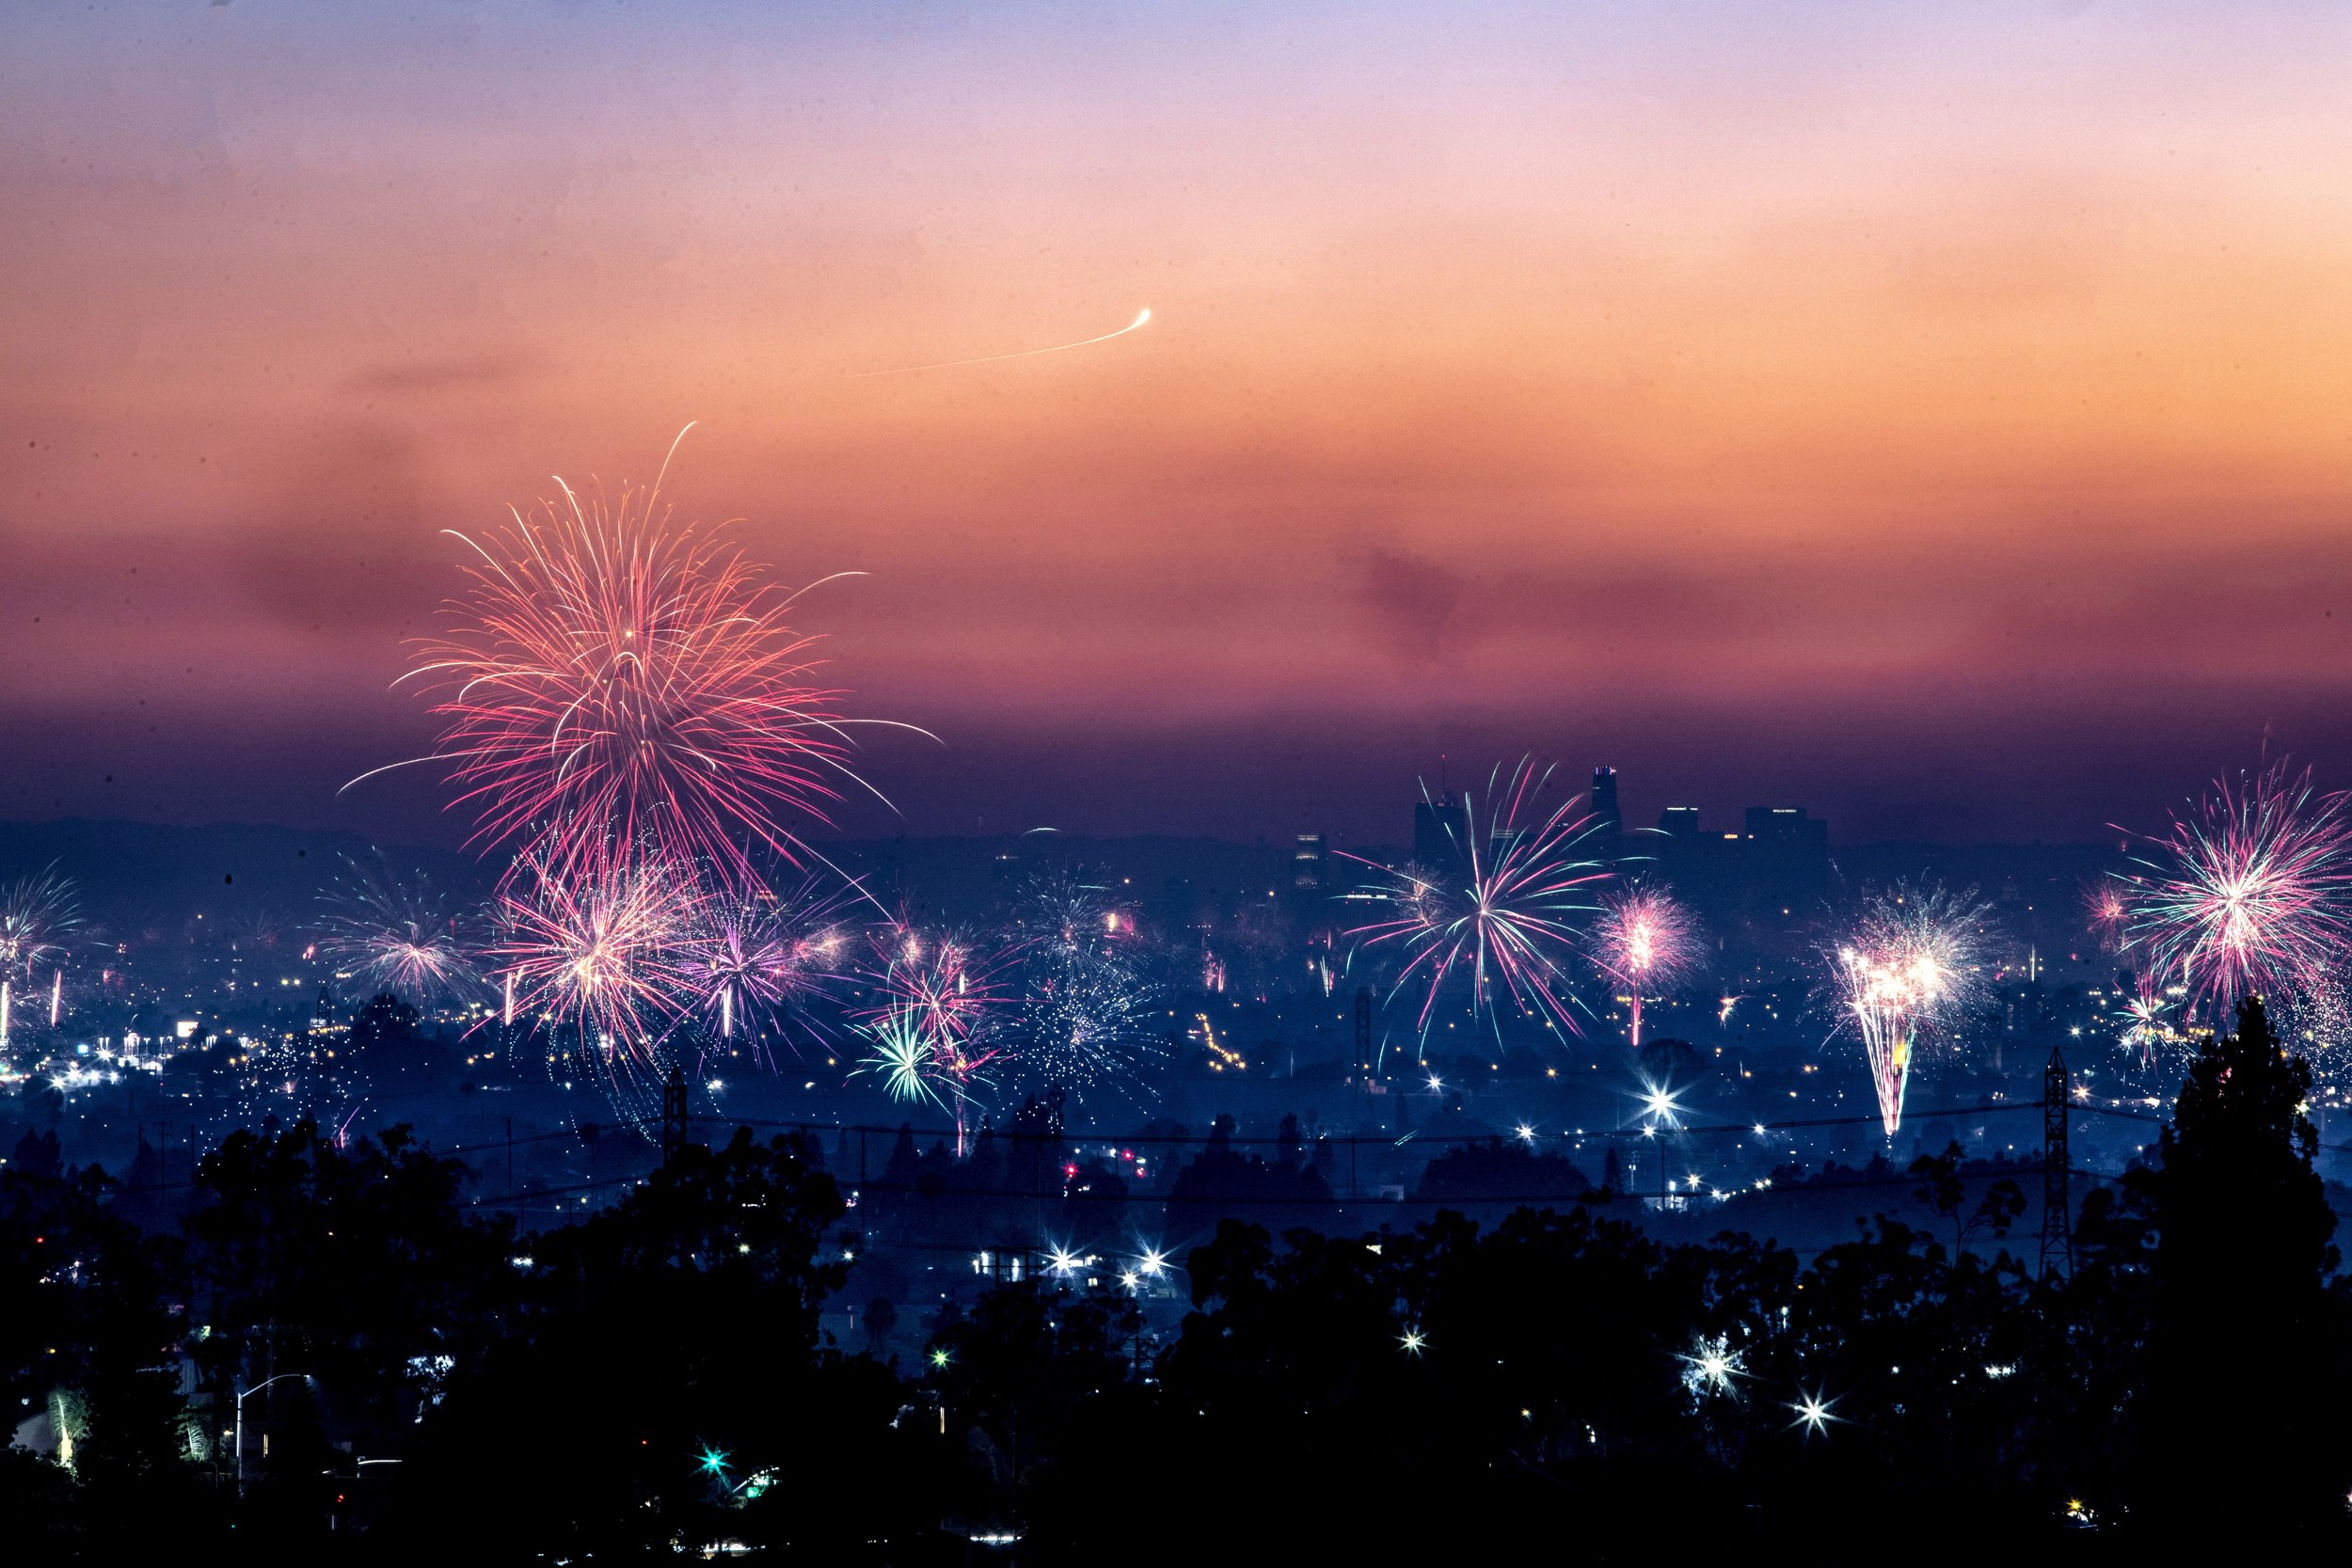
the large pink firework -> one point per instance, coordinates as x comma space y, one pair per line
1503, 915
2252, 892
1643, 940
609, 679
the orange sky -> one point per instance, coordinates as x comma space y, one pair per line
1937, 414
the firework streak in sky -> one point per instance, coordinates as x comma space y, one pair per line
2250, 895
1643, 939
1907, 972
1502, 915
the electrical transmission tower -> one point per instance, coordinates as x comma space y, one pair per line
2057, 1211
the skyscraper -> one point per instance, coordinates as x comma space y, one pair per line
1307, 861
1441, 834
1608, 820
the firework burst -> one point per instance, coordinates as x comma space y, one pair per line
1903, 977
745, 962
397, 933
1085, 1008
2144, 1024
2249, 895
38, 916
948, 993
611, 678
1643, 939
598, 955
903, 1059
1503, 915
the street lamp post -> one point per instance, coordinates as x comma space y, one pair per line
241, 1399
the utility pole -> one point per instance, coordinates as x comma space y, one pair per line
2057, 1228
672, 1117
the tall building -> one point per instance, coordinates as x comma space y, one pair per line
1607, 818
1306, 863
1679, 822
1607, 839
1441, 833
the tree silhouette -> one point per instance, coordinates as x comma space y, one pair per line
2239, 1361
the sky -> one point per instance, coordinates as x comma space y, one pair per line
1933, 415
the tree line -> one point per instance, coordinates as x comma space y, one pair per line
656, 1376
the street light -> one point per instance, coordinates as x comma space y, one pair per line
241, 1399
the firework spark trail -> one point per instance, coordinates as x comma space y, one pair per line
610, 680
1504, 915
397, 934
2251, 893
1906, 973
596, 949
1142, 318
1643, 939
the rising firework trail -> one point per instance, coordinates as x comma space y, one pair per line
611, 681
1903, 978
396, 932
2250, 894
1643, 939
1143, 318
1505, 916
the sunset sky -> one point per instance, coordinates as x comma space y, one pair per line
1936, 415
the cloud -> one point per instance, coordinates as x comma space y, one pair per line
453, 373
1407, 604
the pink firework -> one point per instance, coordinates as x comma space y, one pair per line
611, 680
2107, 903
1643, 939
596, 949
1503, 914
2249, 895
